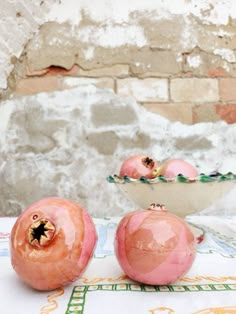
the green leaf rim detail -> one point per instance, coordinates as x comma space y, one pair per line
204, 178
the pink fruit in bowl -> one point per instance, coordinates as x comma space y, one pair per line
154, 246
172, 167
137, 166
51, 243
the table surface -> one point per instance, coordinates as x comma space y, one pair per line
209, 287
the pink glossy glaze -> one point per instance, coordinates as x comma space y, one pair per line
158, 251
135, 167
66, 257
172, 167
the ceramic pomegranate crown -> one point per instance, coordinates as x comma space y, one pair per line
154, 246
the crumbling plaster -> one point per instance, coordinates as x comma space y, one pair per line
145, 43
66, 143
150, 36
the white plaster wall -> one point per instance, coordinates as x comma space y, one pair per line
66, 143
117, 23
18, 22
119, 11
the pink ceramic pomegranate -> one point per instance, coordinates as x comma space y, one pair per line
154, 246
172, 167
52, 242
137, 166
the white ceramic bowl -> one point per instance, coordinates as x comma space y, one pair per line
181, 195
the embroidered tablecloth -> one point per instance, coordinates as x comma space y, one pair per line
209, 287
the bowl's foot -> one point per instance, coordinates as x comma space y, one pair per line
198, 232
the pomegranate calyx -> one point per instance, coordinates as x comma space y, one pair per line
157, 207
41, 233
148, 162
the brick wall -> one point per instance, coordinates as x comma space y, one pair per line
186, 99
181, 66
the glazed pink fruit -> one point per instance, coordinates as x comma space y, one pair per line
137, 166
172, 167
154, 246
52, 242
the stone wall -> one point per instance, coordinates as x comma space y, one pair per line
175, 60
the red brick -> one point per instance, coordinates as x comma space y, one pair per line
34, 85
227, 112
217, 72
117, 70
194, 90
37, 85
53, 71
144, 90
205, 113
227, 89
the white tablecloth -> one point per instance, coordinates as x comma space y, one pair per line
209, 287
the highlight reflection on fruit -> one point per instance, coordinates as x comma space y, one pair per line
172, 167
52, 242
154, 246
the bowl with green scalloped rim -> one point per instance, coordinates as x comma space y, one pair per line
181, 195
